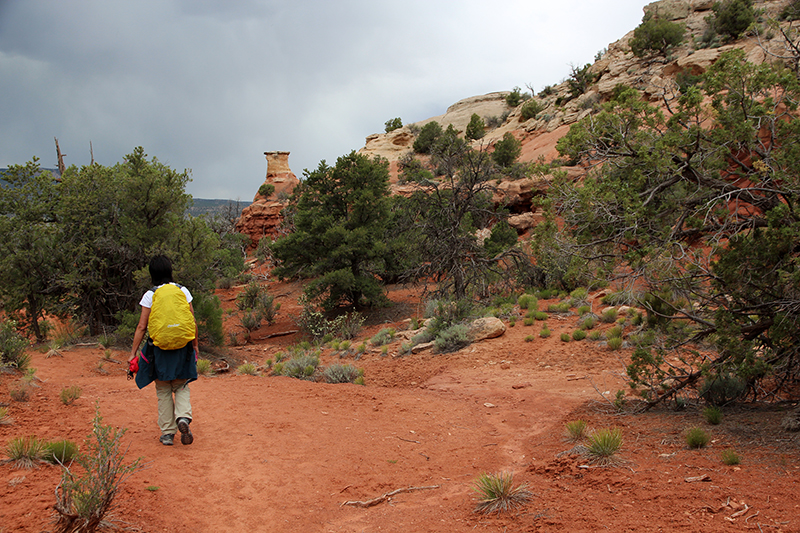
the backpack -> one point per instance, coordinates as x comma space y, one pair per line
171, 323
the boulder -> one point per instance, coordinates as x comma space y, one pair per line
486, 328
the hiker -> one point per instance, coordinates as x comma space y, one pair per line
169, 357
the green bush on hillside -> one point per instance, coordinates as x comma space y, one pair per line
476, 128
733, 17
427, 137
655, 35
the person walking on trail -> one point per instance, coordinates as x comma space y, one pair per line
169, 356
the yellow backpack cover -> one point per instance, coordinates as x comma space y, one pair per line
171, 322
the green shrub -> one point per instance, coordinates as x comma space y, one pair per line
384, 336
578, 335
4, 418
713, 415
579, 80
514, 98
576, 430
302, 366
266, 190
791, 11
609, 315
20, 391
733, 17
393, 124
529, 338
565, 337
594, 336
451, 339
615, 332
341, 374
527, 301
507, 150
730, 457
12, 346
476, 128
60, 452
528, 321
655, 35
697, 438
722, 388
588, 323
69, 394
248, 298
559, 308
208, 314
531, 109
614, 343
584, 309
251, 320
544, 333
603, 444
540, 315
204, 367
427, 137
247, 369
82, 502
496, 493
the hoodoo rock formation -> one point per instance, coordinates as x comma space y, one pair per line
263, 217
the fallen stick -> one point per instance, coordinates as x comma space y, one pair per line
279, 334
381, 499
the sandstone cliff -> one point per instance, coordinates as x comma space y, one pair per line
654, 77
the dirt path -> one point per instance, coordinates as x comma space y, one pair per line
279, 454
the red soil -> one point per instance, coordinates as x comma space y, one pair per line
279, 454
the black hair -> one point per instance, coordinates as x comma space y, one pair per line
160, 270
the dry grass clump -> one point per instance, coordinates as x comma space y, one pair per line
69, 394
25, 452
602, 446
497, 493
576, 430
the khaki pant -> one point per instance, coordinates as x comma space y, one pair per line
169, 408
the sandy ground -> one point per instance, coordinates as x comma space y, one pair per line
279, 454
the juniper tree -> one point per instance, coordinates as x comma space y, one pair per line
699, 203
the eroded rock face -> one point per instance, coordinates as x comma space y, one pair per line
263, 217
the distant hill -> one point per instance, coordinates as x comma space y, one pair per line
203, 206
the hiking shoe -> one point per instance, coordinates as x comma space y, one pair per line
186, 433
166, 439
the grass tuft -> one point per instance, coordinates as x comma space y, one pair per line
496, 493
204, 367
247, 369
69, 394
730, 457
713, 415
603, 445
697, 438
60, 452
576, 430
25, 452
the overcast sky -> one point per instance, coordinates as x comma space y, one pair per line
210, 85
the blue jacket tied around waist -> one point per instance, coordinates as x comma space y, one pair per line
165, 365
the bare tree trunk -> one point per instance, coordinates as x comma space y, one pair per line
61, 166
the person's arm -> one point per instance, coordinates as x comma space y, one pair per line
141, 328
196, 341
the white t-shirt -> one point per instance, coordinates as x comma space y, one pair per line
147, 299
